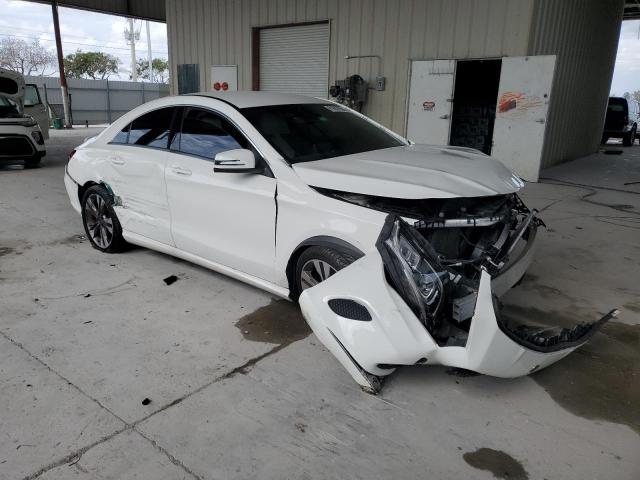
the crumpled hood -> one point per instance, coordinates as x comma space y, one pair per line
412, 171
12, 87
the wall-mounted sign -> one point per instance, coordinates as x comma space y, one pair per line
428, 106
224, 78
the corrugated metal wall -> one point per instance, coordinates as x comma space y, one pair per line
98, 101
219, 32
584, 36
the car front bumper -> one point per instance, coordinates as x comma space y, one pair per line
394, 336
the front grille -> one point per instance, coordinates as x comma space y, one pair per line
15, 146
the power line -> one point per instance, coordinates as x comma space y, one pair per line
50, 33
73, 43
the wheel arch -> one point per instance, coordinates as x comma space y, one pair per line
87, 185
317, 241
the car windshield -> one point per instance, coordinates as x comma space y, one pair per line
308, 132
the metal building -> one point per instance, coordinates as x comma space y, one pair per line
524, 80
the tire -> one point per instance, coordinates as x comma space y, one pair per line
629, 138
101, 222
32, 163
316, 264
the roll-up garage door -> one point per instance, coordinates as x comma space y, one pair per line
295, 60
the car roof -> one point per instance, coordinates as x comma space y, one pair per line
248, 99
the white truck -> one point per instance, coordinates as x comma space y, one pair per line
24, 122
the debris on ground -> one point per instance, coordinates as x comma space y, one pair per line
146, 401
170, 279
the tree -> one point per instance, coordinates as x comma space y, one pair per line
25, 58
94, 65
160, 69
636, 95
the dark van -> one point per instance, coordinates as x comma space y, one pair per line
621, 120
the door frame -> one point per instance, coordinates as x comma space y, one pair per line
255, 47
455, 71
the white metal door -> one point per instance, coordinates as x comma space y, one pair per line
521, 113
295, 60
430, 101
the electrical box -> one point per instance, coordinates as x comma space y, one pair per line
224, 78
380, 83
352, 91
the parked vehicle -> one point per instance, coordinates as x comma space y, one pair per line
21, 139
396, 251
621, 120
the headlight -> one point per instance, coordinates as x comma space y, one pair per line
416, 273
37, 137
30, 122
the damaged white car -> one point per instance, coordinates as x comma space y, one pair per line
397, 252
21, 137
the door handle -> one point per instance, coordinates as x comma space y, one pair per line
180, 170
444, 117
116, 161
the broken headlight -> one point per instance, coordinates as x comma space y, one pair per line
414, 270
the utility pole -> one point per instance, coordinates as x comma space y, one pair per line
63, 79
149, 53
131, 36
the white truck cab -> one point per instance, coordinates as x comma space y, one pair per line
21, 138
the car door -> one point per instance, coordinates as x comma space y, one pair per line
226, 218
134, 169
34, 107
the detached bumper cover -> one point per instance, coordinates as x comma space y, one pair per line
391, 335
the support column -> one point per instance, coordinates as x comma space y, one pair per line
63, 79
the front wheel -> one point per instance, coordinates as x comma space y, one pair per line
100, 221
316, 264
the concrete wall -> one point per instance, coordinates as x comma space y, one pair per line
98, 101
584, 36
219, 32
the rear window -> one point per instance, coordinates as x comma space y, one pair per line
308, 132
617, 105
152, 129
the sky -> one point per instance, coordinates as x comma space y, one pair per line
626, 76
87, 31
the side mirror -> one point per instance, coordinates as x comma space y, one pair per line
239, 160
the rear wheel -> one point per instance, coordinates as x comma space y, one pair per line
316, 264
100, 221
629, 137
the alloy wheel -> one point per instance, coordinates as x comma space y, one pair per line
315, 271
99, 221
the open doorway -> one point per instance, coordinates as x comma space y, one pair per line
474, 103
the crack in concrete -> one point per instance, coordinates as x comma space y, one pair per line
74, 457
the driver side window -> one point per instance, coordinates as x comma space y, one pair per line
205, 134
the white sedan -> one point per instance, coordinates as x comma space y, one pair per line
395, 251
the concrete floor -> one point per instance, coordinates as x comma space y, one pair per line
239, 389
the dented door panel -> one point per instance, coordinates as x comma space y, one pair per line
135, 175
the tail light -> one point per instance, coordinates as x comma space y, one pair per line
71, 154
